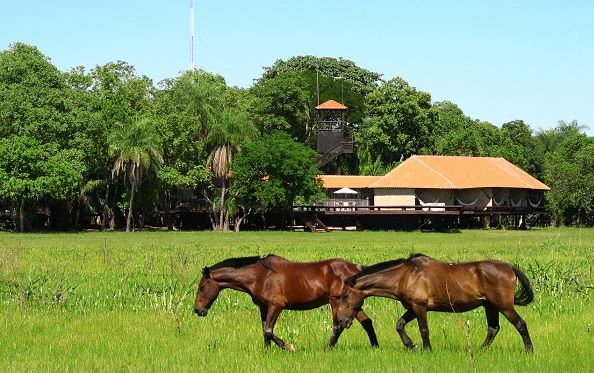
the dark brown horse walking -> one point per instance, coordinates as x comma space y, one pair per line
275, 284
423, 284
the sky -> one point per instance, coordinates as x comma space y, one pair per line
497, 60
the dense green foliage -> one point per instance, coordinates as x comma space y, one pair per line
273, 172
569, 173
362, 81
111, 144
121, 302
399, 123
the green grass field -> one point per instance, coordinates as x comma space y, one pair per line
123, 302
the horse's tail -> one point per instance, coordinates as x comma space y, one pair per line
525, 294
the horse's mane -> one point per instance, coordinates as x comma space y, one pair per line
238, 263
267, 261
380, 267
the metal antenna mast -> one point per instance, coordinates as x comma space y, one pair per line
192, 36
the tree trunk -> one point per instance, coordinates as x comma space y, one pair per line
240, 219
307, 127
168, 216
22, 215
212, 213
104, 213
237, 224
222, 214
131, 207
78, 205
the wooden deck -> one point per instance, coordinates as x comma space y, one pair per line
414, 217
456, 210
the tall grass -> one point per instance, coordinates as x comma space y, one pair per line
116, 301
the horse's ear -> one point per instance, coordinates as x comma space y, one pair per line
206, 272
350, 281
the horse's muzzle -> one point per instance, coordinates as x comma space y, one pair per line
201, 312
345, 322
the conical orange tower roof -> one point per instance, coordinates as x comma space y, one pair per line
331, 105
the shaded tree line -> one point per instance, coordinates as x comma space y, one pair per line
110, 144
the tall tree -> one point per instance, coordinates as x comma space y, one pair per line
399, 122
361, 80
270, 172
122, 98
520, 147
187, 107
225, 139
89, 135
569, 172
31, 171
32, 96
456, 134
285, 103
136, 150
37, 106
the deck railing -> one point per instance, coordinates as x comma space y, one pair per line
363, 207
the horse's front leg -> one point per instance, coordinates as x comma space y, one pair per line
421, 314
336, 332
271, 317
336, 328
367, 324
400, 324
263, 315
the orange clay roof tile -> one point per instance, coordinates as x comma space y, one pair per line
339, 181
449, 172
331, 105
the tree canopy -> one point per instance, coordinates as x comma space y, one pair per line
110, 144
399, 122
274, 171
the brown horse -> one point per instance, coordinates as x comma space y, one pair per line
423, 284
275, 284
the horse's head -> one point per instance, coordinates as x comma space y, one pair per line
208, 291
349, 303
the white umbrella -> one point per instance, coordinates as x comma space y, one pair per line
346, 190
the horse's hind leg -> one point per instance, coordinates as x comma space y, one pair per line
367, 324
492, 314
520, 326
401, 323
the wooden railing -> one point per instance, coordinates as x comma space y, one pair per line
354, 208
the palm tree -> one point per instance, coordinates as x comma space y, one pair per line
135, 149
224, 139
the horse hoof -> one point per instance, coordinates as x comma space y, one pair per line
291, 347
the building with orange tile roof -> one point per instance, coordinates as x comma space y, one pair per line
433, 182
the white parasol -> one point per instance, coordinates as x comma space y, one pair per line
346, 190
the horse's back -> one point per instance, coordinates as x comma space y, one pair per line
465, 285
336, 267
303, 285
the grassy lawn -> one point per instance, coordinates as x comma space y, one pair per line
117, 301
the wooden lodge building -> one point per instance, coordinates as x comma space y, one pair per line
446, 191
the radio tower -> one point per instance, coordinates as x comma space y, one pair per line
192, 35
